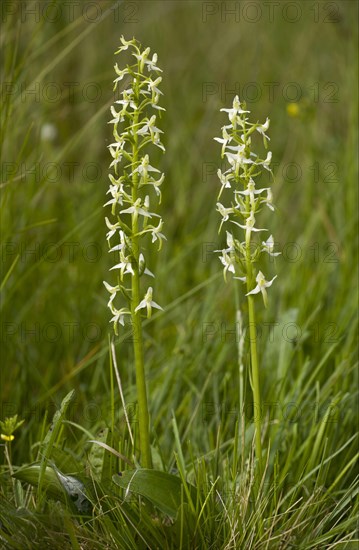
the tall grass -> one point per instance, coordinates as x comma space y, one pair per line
54, 325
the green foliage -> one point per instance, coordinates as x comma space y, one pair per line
54, 323
164, 490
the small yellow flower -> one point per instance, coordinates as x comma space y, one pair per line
8, 426
293, 110
7, 437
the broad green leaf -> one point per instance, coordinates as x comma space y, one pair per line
52, 435
164, 490
57, 485
30, 474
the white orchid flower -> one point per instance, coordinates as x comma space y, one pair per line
148, 303
262, 284
268, 246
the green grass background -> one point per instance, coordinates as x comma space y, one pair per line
57, 68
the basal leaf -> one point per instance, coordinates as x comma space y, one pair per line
164, 490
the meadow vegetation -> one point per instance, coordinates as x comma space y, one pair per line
73, 382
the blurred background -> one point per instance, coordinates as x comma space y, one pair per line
295, 62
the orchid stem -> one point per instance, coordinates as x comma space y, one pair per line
257, 407
143, 414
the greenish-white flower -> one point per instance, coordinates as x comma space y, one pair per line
224, 178
249, 226
268, 246
266, 162
262, 128
262, 285
225, 139
156, 233
235, 111
125, 266
229, 263
251, 191
148, 303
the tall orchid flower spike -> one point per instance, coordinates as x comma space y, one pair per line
132, 209
244, 202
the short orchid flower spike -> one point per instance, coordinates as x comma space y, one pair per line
245, 198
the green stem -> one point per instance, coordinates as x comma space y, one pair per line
257, 406
143, 414
239, 354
